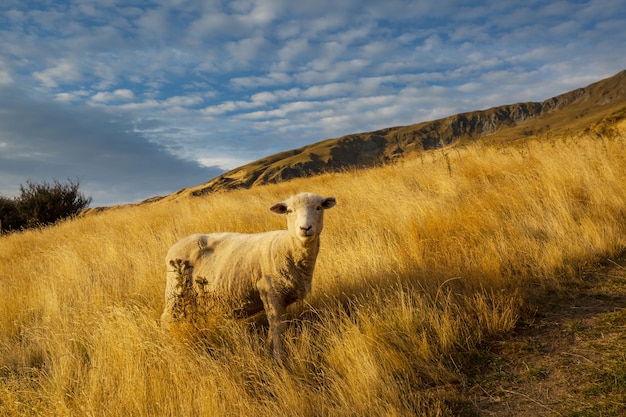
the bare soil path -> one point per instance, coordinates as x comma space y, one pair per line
568, 360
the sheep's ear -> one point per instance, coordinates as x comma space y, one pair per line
280, 208
329, 202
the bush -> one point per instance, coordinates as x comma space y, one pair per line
9, 216
42, 203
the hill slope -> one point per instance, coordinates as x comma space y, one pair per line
572, 111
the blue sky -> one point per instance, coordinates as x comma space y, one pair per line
142, 98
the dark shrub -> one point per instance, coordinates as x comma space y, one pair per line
9, 216
42, 203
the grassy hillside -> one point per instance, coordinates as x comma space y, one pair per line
421, 262
569, 112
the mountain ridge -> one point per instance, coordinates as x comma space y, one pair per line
575, 110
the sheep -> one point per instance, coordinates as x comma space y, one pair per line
245, 274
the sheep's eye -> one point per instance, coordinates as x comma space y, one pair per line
318, 208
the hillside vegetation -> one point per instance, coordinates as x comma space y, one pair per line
421, 262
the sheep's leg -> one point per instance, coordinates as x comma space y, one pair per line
275, 311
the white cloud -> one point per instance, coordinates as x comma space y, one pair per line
470, 87
223, 162
245, 52
263, 98
119, 95
215, 23
183, 101
293, 50
5, 78
154, 22
222, 108
271, 79
263, 12
63, 71
149, 104
71, 96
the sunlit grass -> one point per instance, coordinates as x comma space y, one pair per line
420, 262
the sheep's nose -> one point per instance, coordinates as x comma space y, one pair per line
306, 229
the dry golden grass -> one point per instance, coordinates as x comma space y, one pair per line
420, 262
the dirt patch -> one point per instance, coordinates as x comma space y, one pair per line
568, 360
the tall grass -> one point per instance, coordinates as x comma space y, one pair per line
420, 261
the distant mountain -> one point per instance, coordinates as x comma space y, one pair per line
573, 111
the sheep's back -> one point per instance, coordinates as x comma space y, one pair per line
227, 266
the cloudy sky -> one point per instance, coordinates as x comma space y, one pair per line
142, 98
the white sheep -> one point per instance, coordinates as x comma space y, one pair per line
244, 274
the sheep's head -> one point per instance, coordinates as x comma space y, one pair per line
305, 214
